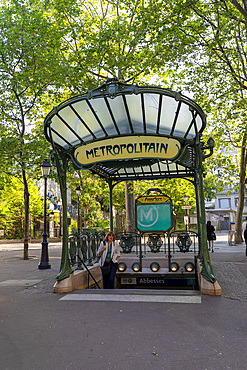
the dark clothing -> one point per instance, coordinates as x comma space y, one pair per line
245, 237
210, 231
109, 280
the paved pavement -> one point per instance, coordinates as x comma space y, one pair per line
42, 330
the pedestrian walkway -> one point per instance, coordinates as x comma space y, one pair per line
106, 330
232, 281
230, 267
135, 295
228, 262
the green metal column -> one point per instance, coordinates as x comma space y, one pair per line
207, 271
61, 162
199, 229
111, 186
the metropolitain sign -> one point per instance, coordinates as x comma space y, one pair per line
128, 147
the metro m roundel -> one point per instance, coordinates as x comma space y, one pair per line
154, 213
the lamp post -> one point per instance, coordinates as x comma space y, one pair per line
78, 193
44, 262
186, 197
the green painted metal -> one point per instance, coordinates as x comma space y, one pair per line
154, 242
111, 204
153, 212
153, 217
71, 128
184, 241
207, 271
188, 162
111, 185
61, 161
169, 251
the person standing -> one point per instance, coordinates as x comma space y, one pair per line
109, 253
210, 236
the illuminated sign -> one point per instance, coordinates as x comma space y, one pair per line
128, 147
153, 213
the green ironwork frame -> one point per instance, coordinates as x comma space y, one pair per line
191, 157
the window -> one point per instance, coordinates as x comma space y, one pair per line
236, 202
225, 203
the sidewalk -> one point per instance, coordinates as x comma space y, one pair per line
229, 265
15, 271
41, 330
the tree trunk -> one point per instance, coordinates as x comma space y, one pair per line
26, 216
130, 206
118, 223
241, 193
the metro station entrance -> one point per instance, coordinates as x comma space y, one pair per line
164, 259
124, 132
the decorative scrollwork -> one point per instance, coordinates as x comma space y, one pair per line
127, 242
154, 242
183, 242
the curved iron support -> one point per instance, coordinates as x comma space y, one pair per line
61, 162
94, 243
210, 147
72, 249
207, 271
111, 186
89, 250
79, 248
111, 205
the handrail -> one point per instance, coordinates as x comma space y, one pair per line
83, 248
89, 273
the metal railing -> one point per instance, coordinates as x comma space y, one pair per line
158, 243
83, 248
184, 242
129, 242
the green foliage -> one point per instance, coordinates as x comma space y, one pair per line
28, 65
174, 188
210, 186
51, 50
12, 207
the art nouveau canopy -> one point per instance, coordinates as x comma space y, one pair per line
122, 132
127, 132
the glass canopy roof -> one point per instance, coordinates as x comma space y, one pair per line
116, 110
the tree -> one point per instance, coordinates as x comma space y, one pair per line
210, 38
12, 206
109, 39
94, 40
93, 199
130, 206
28, 61
105, 39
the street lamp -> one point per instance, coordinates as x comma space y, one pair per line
78, 193
186, 219
44, 262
